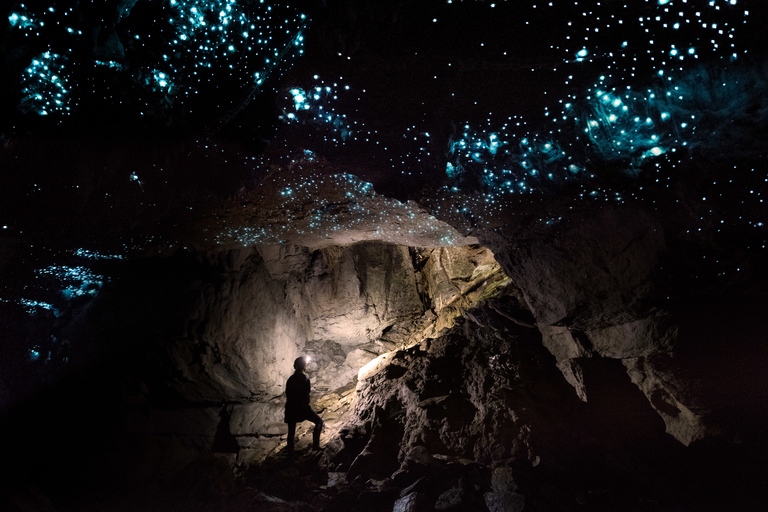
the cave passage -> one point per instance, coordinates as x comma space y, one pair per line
436, 381
522, 243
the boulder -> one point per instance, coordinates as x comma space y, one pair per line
503, 496
655, 334
451, 499
574, 375
414, 502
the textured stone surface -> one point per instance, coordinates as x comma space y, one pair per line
235, 320
561, 343
263, 418
594, 271
655, 334
459, 394
651, 376
414, 502
571, 370
266, 307
488, 391
503, 496
356, 292
643, 337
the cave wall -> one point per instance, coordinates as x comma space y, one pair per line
246, 315
620, 392
196, 347
256, 310
487, 393
191, 353
589, 270
612, 285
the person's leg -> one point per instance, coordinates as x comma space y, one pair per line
291, 435
318, 421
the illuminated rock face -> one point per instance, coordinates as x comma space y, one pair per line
461, 392
225, 328
333, 304
268, 306
355, 310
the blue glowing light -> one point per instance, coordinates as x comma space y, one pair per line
195, 42
32, 305
44, 85
85, 253
22, 21
76, 281
159, 81
316, 106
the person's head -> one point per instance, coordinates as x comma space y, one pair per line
300, 364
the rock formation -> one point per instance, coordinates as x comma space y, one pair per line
523, 251
443, 384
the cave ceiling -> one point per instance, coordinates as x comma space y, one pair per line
137, 127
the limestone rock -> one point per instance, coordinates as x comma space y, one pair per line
252, 322
450, 499
357, 359
374, 366
285, 260
655, 334
414, 502
686, 423
561, 343
446, 269
337, 479
462, 395
253, 450
257, 418
503, 496
571, 370
595, 271
642, 337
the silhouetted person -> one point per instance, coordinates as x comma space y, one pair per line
297, 407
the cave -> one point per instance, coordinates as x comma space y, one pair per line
522, 246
